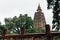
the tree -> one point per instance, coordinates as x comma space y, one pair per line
1, 28
55, 5
14, 24
9, 25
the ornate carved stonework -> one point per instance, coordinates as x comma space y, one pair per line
39, 19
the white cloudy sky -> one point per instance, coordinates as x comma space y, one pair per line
10, 8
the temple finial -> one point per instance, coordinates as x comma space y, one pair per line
39, 8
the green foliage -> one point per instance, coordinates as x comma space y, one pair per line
55, 5
56, 37
31, 30
41, 30
1, 28
14, 24
50, 3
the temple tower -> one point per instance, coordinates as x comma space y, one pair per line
39, 19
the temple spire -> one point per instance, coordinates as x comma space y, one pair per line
39, 19
39, 8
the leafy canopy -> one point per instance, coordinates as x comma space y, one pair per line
55, 5
14, 24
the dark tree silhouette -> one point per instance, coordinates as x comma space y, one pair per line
55, 5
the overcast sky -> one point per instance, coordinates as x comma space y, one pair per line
10, 8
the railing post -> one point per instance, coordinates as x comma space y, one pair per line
48, 34
22, 32
4, 33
